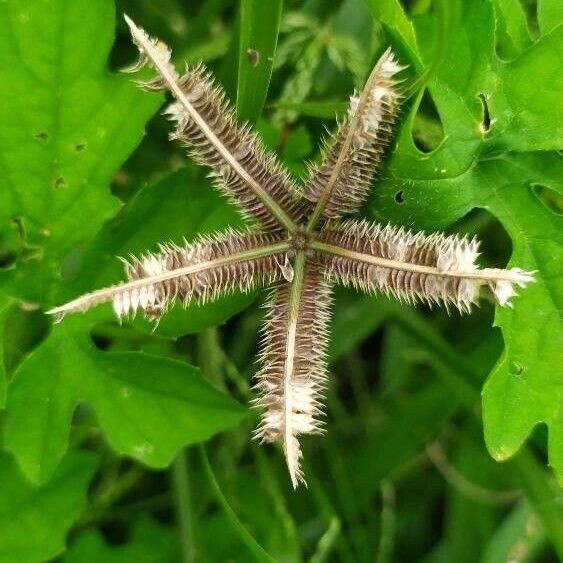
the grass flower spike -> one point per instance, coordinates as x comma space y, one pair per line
301, 241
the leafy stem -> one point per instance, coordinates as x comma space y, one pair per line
182, 500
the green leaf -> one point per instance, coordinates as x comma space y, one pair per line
511, 19
5, 305
259, 27
150, 542
519, 531
354, 319
527, 121
34, 521
403, 430
149, 407
476, 167
67, 125
391, 14
550, 15
182, 205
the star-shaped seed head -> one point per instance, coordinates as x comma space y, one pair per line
298, 242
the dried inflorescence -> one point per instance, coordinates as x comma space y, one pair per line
300, 244
355, 152
411, 266
294, 370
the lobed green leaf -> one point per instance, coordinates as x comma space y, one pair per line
482, 163
67, 125
148, 407
34, 521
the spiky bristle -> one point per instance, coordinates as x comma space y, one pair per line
353, 157
412, 266
293, 357
194, 272
241, 167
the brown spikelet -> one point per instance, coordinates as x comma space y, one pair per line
195, 272
411, 266
241, 167
244, 145
294, 369
353, 157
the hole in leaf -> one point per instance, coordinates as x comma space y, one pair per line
399, 197
116, 533
530, 8
26, 327
7, 255
550, 198
253, 57
427, 131
59, 183
41, 136
80, 146
495, 244
516, 368
486, 121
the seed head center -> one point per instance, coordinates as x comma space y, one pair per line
300, 239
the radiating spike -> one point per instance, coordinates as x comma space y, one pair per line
205, 123
356, 149
152, 284
291, 386
449, 272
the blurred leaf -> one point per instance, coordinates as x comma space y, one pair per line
34, 521
550, 15
404, 429
391, 14
519, 534
477, 167
150, 542
545, 496
148, 407
67, 125
324, 110
259, 26
5, 304
512, 20
182, 205
354, 319
470, 520
253, 547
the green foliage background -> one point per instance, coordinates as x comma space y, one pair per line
100, 422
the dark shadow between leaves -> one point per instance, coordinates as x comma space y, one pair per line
549, 197
427, 131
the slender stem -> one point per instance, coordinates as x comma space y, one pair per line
485, 274
388, 523
209, 357
466, 487
259, 553
182, 500
172, 82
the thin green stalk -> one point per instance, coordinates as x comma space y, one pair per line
209, 356
182, 501
259, 553
388, 523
